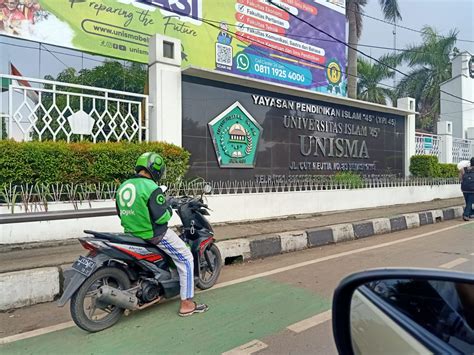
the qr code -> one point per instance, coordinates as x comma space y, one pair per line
223, 54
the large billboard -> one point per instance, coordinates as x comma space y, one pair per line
252, 38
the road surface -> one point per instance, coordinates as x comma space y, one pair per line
280, 305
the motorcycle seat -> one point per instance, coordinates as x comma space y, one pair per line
119, 237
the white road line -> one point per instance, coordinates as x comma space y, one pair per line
472, 254
248, 348
310, 322
36, 332
262, 274
454, 263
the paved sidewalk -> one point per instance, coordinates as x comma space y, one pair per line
55, 255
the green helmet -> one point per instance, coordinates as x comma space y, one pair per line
153, 163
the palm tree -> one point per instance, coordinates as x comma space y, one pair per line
394, 96
370, 76
430, 64
354, 11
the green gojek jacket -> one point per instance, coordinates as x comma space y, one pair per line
142, 208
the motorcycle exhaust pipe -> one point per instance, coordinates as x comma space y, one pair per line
116, 297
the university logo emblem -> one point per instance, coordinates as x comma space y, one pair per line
235, 135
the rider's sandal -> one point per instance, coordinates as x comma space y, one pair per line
198, 308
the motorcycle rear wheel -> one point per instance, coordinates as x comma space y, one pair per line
107, 276
208, 278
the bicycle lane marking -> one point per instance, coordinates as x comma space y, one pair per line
238, 314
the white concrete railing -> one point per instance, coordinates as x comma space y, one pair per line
244, 207
427, 144
42, 109
447, 148
463, 149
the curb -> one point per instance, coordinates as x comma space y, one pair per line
28, 287
274, 244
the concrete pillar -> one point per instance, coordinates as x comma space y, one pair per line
445, 131
408, 103
165, 89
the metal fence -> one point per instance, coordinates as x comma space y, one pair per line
427, 144
51, 110
38, 197
463, 149
319, 183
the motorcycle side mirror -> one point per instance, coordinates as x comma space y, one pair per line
207, 189
404, 311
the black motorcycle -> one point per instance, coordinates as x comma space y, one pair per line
124, 273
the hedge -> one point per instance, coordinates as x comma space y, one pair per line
428, 166
448, 170
60, 162
425, 166
349, 178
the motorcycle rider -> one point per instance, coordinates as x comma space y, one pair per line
144, 213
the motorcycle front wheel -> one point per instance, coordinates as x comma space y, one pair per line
210, 265
86, 312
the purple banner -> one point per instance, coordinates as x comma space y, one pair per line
274, 43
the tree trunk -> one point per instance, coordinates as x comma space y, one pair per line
352, 57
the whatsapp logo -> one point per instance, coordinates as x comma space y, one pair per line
243, 61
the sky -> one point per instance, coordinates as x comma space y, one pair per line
444, 15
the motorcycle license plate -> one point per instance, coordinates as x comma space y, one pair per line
84, 265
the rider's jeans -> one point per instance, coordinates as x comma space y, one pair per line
174, 246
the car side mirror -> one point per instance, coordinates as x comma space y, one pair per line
404, 311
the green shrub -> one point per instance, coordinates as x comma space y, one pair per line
348, 178
61, 162
424, 166
448, 170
